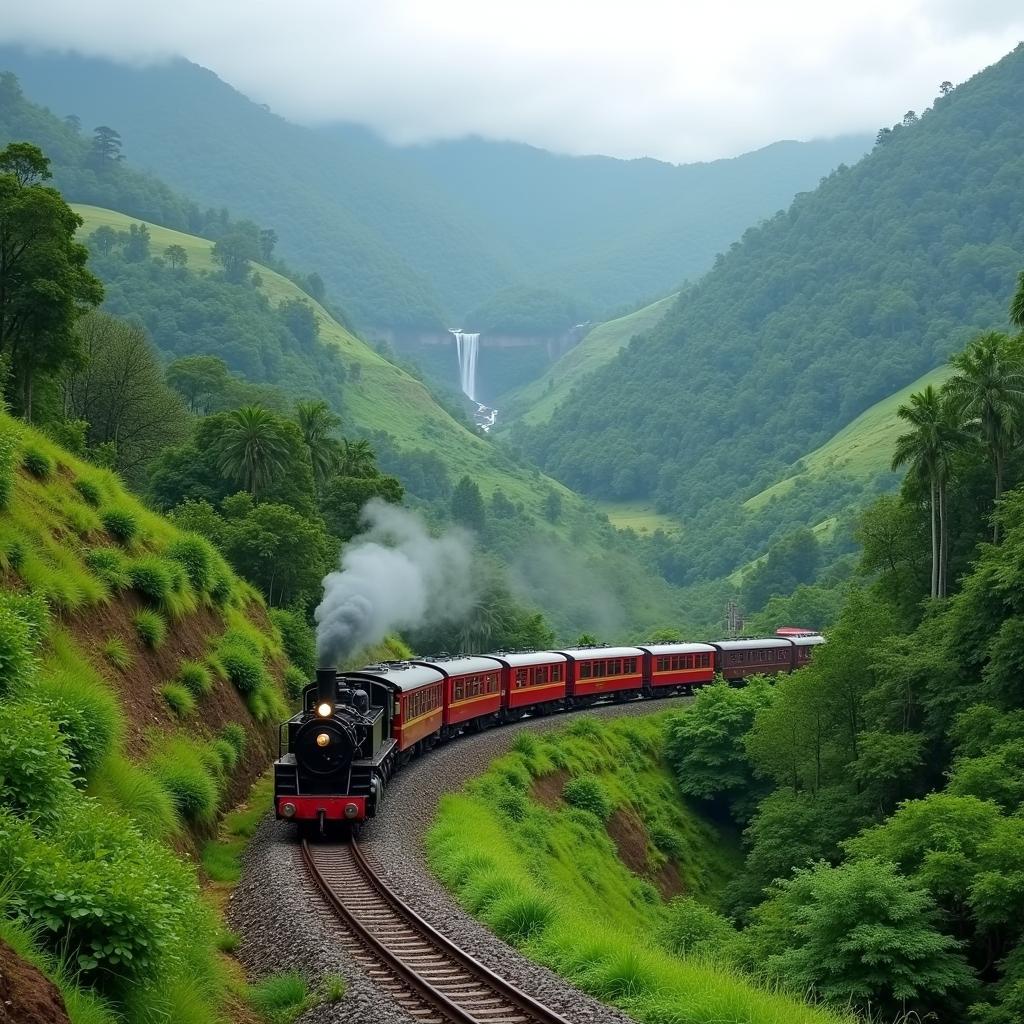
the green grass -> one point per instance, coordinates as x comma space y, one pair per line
593, 920
538, 401
125, 786
639, 516
222, 857
863, 448
180, 767
151, 628
195, 677
180, 700
115, 650
281, 998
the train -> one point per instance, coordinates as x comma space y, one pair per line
356, 728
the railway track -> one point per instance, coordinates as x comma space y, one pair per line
426, 974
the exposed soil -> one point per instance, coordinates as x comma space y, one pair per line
629, 834
547, 790
26, 995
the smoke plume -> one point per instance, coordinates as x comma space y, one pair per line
393, 575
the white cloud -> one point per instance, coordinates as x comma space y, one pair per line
669, 78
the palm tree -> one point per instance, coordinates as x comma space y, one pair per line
316, 421
357, 459
929, 449
253, 448
988, 394
1017, 306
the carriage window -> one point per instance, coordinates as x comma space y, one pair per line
458, 691
584, 670
631, 665
556, 673
662, 665
520, 678
539, 676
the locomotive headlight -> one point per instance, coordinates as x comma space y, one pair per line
322, 739
324, 710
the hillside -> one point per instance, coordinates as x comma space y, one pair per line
405, 238
538, 400
421, 442
862, 449
142, 686
858, 289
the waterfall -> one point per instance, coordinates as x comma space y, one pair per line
467, 347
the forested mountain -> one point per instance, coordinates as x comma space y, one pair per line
407, 237
857, 289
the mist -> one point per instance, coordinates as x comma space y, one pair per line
393, 576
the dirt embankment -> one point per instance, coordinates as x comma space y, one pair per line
26, 995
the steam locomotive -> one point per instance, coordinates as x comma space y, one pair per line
356, 729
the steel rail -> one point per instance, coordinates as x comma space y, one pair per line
469, 970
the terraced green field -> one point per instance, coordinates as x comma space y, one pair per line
538, 400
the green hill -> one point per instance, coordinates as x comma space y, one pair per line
538, 400
406, 237
139, 698
862, 449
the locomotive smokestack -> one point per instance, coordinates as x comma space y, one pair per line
326, 687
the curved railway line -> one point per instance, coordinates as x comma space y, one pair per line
426, 974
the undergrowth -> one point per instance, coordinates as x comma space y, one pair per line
547, 876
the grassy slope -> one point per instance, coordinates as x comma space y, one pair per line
640, 516
863, 448
386, 397
594, 920
538, 400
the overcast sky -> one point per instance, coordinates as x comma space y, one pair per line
676, 79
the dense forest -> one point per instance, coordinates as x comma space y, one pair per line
858, 288
406, 238
879, 790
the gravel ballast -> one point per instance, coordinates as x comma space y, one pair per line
285, 924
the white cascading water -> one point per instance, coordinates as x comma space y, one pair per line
467, 346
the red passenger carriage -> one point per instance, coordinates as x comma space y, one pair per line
595, 672
677, 667
533, 681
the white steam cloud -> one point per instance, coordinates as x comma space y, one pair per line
393, 575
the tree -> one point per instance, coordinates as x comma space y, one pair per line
315, 287
343, 498
861, 933
234, 251
552, 506
467, 505
945, 88
118, 388
103, 239
706, 744
1017, 306
136, 246
44, 283
987, 391
316, 421
268, 239
300, 320
176, 256
929, 449
199, 380
252, 448
356, 459
106, 146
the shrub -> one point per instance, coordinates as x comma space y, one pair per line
152, 628
266, 704
196, 556
114, 903
294, 683
195, 677
8, 449
125, 786
690, 927
34, 765
120, 524
152, 578
243, 668
221, 589
587, 793
110, 566
179, 768
115, 650
18, 642
181, 701
85, 711
89, 491
38, 463
297, 637
235, 735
